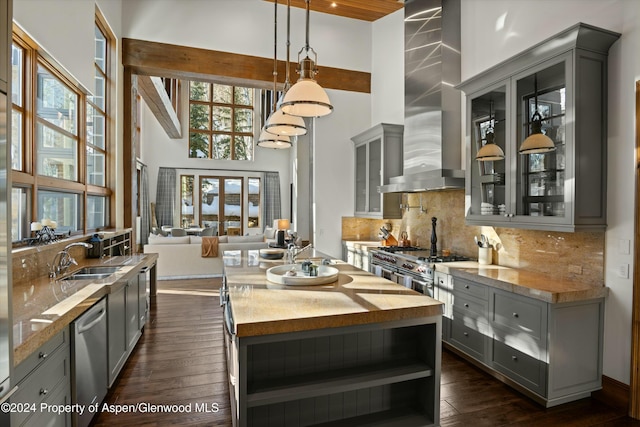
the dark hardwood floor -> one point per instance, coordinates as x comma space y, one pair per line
179, 361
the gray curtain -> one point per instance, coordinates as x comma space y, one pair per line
145, 206
166, 196
272, 204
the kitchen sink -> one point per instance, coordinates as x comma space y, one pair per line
92, 273
85, 276
97, 270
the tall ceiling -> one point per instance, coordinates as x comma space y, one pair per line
366, 10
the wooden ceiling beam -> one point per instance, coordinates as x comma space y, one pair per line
190, 63
152, 90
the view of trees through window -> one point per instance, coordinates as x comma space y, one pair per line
221, 121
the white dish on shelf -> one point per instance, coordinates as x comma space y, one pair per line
279, 274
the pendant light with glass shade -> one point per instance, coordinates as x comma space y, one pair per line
281, 123
307, 98
266, 139
490, 151
536, 142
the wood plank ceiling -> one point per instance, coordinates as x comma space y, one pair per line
366, 10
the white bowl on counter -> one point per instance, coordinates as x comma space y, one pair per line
281, 275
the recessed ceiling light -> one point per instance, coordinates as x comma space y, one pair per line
334, 4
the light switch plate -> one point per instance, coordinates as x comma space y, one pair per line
624, 246
623, 271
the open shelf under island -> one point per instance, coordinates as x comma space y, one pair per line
358, 350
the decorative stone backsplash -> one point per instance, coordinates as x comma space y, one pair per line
577, 256
30, 263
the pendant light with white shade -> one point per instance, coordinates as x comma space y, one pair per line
281, 123
307, 98
490, 151
266, 139
536, 142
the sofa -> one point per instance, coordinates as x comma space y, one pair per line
181, 257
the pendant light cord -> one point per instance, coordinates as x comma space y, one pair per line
287, 83
275, 55
307, 32
535, 94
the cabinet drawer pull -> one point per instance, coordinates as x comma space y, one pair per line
466, 305
466, 286
43, 391
466, 334
515, 314
514, 358
42, 355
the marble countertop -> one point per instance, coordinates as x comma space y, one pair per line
260, 307
44, 307
534, 285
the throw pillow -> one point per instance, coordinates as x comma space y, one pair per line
269, 232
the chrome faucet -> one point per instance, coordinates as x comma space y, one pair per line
63, 260
293, 251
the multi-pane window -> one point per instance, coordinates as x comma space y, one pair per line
221, 119
254, 203
17, 111
230, 205
20, 209
63, 208
186, 200
97, 116
56, 128
96, 131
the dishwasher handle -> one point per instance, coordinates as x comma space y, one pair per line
84, 326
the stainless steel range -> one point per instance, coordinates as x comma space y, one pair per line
409, 266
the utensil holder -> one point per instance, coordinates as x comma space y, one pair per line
485, 255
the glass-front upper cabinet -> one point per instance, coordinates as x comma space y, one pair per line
361, 178
555, 91
488, 125
541, 176
378, 157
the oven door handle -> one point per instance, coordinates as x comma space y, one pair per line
403, 279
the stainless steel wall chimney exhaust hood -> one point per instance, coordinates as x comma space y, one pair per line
432, 126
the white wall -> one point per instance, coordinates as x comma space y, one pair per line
65, 29
387, 78
334, 164
494, 30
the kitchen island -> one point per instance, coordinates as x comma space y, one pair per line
346, 353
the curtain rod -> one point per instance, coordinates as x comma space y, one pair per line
219, 169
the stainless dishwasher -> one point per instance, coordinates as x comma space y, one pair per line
89, 369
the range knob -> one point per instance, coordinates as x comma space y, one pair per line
408, 266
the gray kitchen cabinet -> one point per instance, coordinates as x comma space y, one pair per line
442, 292
132, 308
143, 298
44, 378
378, 157
387, 373
470, 318
529, 343
117, 331
123, 323
565, 79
